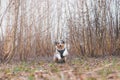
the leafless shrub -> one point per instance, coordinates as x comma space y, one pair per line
29, 28
95, 34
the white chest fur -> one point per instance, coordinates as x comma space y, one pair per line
58, 56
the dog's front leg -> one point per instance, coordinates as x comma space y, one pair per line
56, 58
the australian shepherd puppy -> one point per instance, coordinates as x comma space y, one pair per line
61, 52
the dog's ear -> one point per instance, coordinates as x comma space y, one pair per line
63, 41
55, 42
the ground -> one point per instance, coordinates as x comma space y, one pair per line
102, 68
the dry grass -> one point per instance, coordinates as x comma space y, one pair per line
77, 69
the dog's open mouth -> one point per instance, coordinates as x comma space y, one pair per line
60, 47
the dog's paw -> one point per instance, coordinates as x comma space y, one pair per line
61, 61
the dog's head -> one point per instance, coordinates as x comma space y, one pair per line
60, 45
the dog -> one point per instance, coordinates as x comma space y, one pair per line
61, 53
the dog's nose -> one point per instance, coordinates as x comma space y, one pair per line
60, 45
